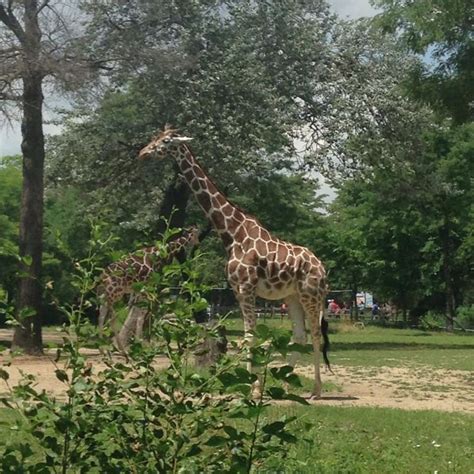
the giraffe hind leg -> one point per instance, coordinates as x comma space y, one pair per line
313, 307
297, 316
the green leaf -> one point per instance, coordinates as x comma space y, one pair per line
293, 380
61, 375
274, 427
262, 331
245, 376
232, 432
26, 312
296, 398
216, 441
244, 389
280, 373
277, 393
4, 375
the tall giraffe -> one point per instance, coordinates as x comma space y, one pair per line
259, 264
118, 278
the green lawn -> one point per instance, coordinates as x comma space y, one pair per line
381, 440
359, 440
368, 440
375, 346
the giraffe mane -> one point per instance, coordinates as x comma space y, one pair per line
236, 206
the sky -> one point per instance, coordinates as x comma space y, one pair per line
10, 137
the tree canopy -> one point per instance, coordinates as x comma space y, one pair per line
273, 93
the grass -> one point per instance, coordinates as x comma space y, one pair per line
368, 440
380, 440
358, 440
375, 346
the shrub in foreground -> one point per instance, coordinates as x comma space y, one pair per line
152, 411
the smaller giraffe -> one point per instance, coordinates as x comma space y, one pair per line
118, 278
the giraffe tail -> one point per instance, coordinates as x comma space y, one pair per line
325, 348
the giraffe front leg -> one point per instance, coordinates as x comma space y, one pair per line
140, 323
247, 307
103, 312
141, 314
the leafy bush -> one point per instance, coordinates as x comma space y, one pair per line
465, 316
464, 319
432, 320
134, 415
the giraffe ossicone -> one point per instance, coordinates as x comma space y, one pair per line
118, 278
259, 264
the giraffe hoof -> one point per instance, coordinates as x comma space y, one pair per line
315, 396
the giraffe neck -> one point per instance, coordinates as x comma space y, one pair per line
224, 216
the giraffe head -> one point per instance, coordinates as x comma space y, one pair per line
163, 143
192, 235
189, 238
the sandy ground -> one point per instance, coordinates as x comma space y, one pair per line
420, 388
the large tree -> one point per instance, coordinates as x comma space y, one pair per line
407, 230
35, 47
442, 31
243, 78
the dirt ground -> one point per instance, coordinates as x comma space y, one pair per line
420, 388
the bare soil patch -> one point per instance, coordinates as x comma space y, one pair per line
407, 388
422, 388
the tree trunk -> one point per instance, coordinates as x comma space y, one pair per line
447, 275
404, 315
27, 335
173, 208
355, 312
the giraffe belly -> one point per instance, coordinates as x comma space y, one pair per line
273, 292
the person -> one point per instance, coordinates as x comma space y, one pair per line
375, 310
283, 309
334, 308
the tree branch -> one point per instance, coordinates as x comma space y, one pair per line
10, 21
43, 5
8, 96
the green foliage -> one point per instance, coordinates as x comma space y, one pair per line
10, 193
136, 415
432, 320
444, 30
465, 316
292, 99
406, 232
